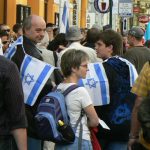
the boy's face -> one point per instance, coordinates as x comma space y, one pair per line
102, 50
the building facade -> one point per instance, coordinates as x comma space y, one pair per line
141, 11
15, 11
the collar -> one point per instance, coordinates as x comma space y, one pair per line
27, 40
74, 44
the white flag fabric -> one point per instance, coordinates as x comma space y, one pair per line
12, 49
1, 49
132, 70
34, 75
97, 85
65, 18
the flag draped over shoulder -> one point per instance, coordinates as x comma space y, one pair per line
34, 75
65, 18
97, 85
12, 49
147, 32
132, 70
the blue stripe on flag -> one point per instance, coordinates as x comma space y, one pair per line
102, 84
19, 40
64, 15
11, 52
37, 84
80, 82
25, 65
67, 25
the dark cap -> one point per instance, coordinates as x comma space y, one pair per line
136, 32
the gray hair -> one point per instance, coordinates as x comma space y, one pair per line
27, 23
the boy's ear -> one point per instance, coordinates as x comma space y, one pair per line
74, 70
110, 47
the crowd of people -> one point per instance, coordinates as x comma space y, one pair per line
122, 57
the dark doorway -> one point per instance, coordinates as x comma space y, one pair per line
22, 13
5, 12
45, 10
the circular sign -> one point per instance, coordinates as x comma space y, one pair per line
101, 6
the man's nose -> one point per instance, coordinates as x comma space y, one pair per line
43, 32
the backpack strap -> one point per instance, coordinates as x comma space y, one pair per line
55, 58
80, 137
70, 88
67, 91
81, 130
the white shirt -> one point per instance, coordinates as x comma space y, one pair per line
76, 100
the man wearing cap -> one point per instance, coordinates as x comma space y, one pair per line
137, 54
74, 36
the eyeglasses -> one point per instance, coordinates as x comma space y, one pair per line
7, 30
5, 42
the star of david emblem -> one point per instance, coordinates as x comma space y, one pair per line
91, 83
29, 79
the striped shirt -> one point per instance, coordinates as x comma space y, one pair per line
12, 110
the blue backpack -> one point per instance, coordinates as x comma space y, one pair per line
52, 120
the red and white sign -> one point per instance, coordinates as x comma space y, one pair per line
143, 19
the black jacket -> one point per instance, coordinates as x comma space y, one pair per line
32, 50
117, 114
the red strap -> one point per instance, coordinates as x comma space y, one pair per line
94, 140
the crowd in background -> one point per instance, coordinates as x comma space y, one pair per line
116, 52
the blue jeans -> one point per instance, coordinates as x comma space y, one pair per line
116, 145
8, 144
86, 145
34, 144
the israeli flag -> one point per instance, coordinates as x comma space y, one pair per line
65, 18
97, 85
132, 70
12, 49
34, 75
